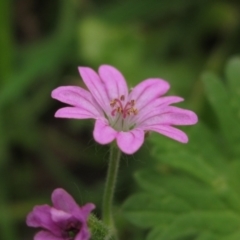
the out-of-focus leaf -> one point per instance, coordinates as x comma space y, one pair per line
157, 232
36, 65
233, 76
203, 175
200, 196
206, 235
220, 101
148, 216
42, 58
115, 44
6, 41
144, 10
234, 236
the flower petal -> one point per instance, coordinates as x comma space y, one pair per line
75, 112
114, 81
95, 86
130, 142
84, 234
77, 97
64, 201
178, 116
170, 132
87, 208
155, 108
103, 133
45, 235
41, 217
147, 91
170, 116
59, 215
165, 101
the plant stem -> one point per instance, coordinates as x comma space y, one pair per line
114, 160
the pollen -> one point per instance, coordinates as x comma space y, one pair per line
126, 110
112, 103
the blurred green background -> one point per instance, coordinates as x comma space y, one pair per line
41, 44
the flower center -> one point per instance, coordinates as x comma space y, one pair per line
121, 112
71, 230
127, 110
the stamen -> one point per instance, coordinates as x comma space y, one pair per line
119, 102
122, 98
132, 102
119, 109
127, 110
112, 103
113, 112
135, 111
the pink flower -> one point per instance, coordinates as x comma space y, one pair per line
64, 221
120, 114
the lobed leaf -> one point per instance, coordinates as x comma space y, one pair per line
220, 99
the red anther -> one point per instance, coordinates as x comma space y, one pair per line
113, 112
122, 98
112, 103
135, 111
127, 110
132, 102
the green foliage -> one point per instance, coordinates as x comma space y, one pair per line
41, 45
194, 193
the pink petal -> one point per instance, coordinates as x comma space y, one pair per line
75, 112
165, 101
156, 107
96, 87
178, 116
75, 96
41, 217
59, 215
40, 214
114, 81
84, 234
45, 235
147, 91
170, 132
79, 98
64, 201
103, 133
170, 116
130, 142
87, 208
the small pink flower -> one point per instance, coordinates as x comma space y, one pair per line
64, 221
120, 114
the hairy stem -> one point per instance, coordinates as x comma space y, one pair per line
114, 160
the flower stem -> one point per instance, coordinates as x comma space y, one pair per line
114, 160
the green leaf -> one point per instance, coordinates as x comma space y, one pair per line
200, 196
41, 58
157, 233
233, 236
233, 77
217, 223
148, 210
219, 99
6, 41
206, 235
144, 10
201, 179
233, 74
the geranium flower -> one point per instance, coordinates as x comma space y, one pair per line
120, 114
64, 221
